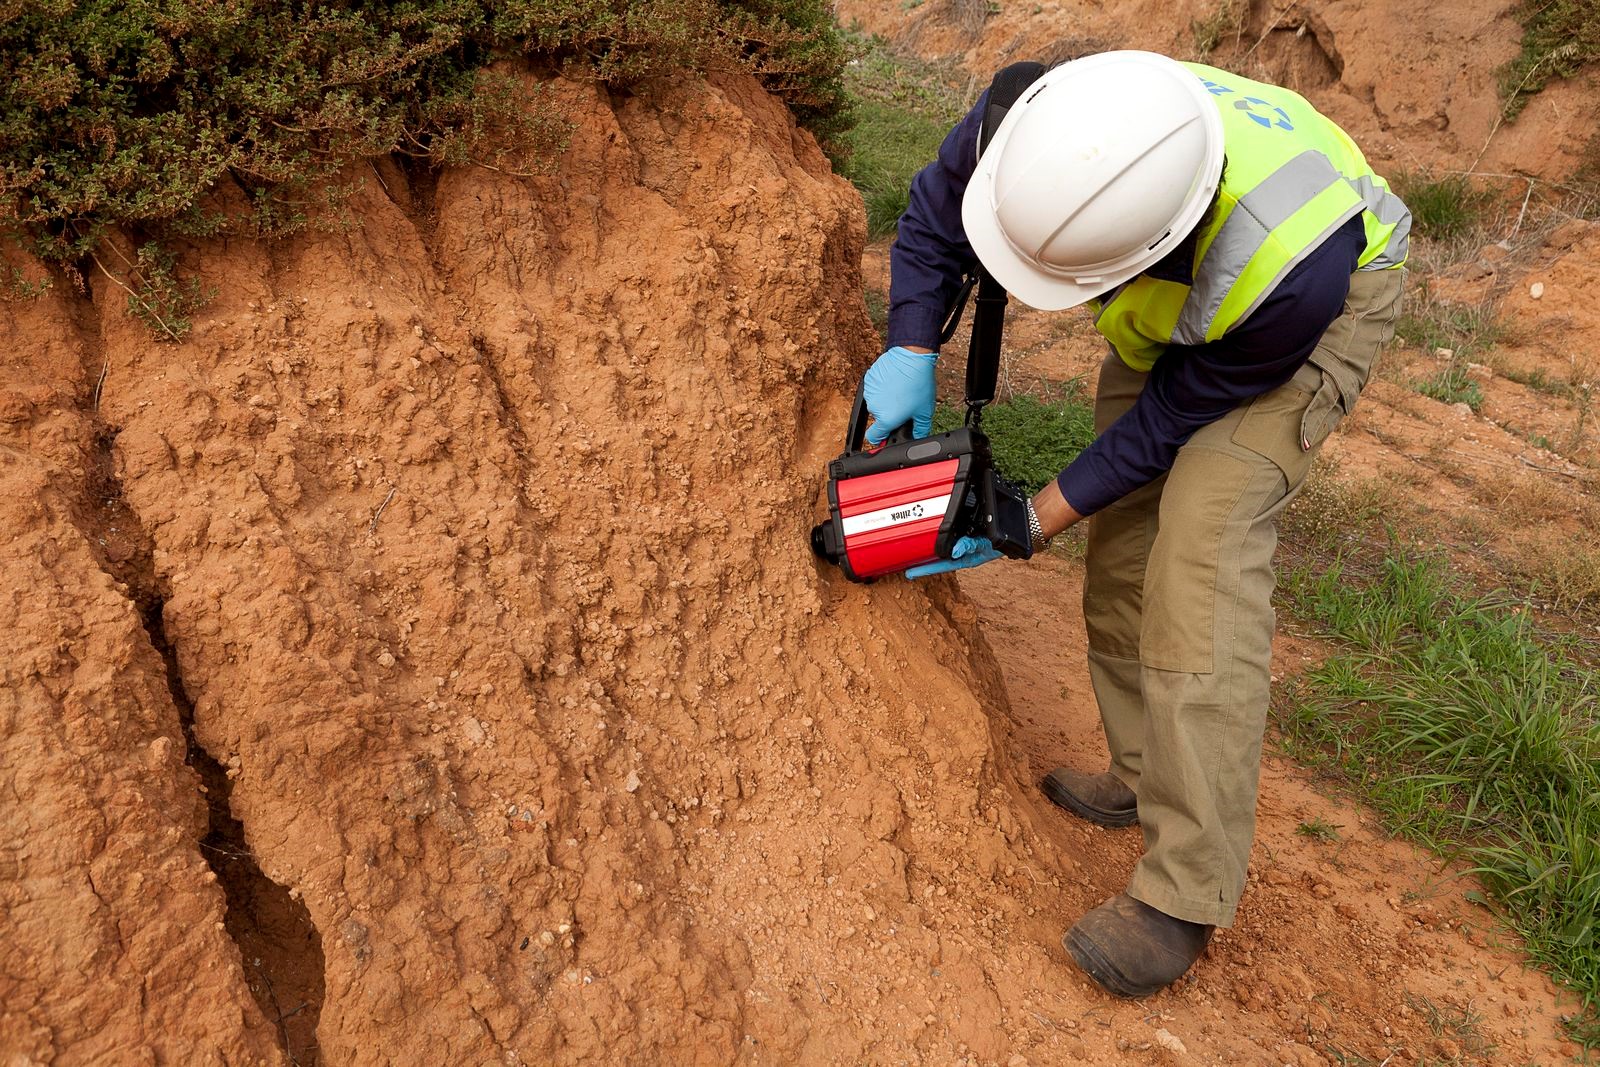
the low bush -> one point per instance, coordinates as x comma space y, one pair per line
127, 115
1558, 38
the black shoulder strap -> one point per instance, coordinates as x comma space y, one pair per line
988, 319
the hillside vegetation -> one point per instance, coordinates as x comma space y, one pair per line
127, 115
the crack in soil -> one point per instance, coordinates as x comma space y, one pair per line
279, 946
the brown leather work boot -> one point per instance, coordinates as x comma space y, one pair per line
1101, 798
1131, 949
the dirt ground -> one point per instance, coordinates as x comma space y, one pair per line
423, 662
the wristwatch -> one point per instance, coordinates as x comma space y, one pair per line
1036, 537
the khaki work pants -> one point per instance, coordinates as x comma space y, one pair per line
1178, 605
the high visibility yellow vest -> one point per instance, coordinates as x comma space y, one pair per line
1293, 177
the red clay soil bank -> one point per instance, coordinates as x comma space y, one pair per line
478, 537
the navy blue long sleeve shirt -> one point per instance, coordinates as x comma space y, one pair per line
1191, 386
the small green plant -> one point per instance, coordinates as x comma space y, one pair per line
1472, 732
1433, 323
18, 286
1538, 381
1224, 22
1462, 1025
1033, 437
1319, 829
1442, 208
1558, 38
1463, 331
158, 296
1451, 386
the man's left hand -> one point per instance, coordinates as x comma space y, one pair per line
968, 552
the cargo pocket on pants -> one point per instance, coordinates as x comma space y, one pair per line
1289, 423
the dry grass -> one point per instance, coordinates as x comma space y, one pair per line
1563, 571
1333, 511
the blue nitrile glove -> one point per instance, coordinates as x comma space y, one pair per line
968, 552
898, 388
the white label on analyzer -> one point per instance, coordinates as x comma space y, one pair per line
933, 506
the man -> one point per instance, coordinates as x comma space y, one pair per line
1243, 262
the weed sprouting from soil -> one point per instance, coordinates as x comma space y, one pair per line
1461, 333
1319, 829
1431, 322
1452, 386
1442, 209
1226, 20
1472, 732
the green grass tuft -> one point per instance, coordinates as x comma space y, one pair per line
1466, 329
1033, 438
1442, 208
902, 108
1473, 733
1451, 386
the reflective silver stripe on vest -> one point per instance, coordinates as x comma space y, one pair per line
1388, 209
1262, 210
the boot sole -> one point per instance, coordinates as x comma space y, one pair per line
1114, 820
1092, 962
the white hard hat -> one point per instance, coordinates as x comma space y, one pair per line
1102, 166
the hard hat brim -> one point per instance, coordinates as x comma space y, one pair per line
1023, 280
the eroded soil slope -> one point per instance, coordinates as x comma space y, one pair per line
477, 536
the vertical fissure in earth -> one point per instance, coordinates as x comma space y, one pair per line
279, 946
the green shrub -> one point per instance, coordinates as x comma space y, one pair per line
126, 115
1558, 38
1033, 438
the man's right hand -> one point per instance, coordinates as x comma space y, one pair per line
898, 388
